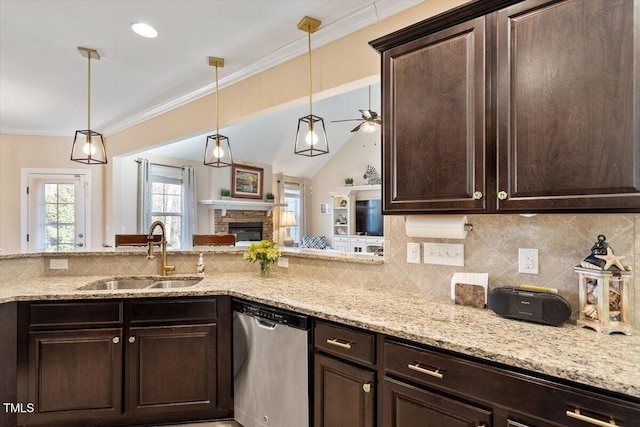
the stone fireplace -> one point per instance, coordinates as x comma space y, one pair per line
250, 218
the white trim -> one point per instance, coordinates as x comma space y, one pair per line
24, 200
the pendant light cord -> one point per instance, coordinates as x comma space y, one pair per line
217, 111
310, 81
89, 95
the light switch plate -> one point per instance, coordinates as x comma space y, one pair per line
283, 262
444, 254
58, 264
413, 253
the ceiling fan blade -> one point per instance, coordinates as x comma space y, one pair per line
357, 128
366, 114
346, 120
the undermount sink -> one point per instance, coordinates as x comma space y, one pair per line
174, 283
140, 284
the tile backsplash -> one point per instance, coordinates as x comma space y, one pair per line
492, 247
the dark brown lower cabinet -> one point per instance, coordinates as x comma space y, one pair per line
407, 406
172, 368
75, 374
344, 394
124, 362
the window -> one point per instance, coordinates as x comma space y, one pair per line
166, 201
293, 200
59, 225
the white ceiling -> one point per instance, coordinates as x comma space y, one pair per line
43, 77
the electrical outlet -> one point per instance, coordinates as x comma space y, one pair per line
528, 261
444, 254
413, 253
283, 262
58, 264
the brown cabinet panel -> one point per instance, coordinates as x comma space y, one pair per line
172, 368
344, 394
434, 121
75, 374
408, 406
173, 310
568, 80
75, 314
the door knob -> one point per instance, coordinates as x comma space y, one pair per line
477, 195
502, 195
132, 339
366, 387
115, 340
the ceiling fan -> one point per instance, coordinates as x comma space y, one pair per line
370, 119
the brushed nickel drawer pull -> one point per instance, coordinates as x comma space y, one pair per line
416, 367
338, 343
132, 339
115, 340
578, 416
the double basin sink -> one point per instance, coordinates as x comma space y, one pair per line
120, 284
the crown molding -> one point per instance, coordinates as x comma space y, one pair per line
362, 18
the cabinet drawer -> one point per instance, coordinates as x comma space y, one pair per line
169, 310
427, 367
352, 344
75, 314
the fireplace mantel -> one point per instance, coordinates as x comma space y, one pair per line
241, 205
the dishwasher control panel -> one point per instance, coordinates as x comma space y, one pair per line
272, 314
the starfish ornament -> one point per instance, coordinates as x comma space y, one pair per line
611, 259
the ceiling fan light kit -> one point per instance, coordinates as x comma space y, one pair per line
217, 151
311, 136
88, 145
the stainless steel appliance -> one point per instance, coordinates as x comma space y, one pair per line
271, 366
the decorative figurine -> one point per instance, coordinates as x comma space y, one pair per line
372, 176
604, 290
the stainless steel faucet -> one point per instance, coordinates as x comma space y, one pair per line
163, 243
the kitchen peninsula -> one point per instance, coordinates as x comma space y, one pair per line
569, 355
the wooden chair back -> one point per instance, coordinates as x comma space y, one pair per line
136, 239
214, 239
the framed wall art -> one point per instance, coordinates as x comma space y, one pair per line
246, 182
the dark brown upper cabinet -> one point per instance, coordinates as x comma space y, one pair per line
508, 106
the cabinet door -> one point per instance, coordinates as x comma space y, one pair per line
343, 395
408, 406
434, 122
568, 81
172, 368
75, 374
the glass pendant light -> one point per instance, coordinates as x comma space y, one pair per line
88, 146
311, 137
217, 152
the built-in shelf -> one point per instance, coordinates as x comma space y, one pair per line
355, 188
241, 205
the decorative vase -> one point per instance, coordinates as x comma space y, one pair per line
265, 268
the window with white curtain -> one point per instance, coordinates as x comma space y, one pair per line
166, 201
293, 199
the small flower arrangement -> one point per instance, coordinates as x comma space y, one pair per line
265, 252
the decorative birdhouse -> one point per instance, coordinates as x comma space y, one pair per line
604, 290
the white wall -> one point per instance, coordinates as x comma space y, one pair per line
350, 161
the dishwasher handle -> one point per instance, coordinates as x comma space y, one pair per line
266, 324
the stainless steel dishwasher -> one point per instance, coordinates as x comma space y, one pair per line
271, 366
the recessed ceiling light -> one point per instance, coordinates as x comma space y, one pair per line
144, 30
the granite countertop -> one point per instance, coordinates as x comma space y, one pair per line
324, 254
605, 361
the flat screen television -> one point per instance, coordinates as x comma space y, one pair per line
369, 217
